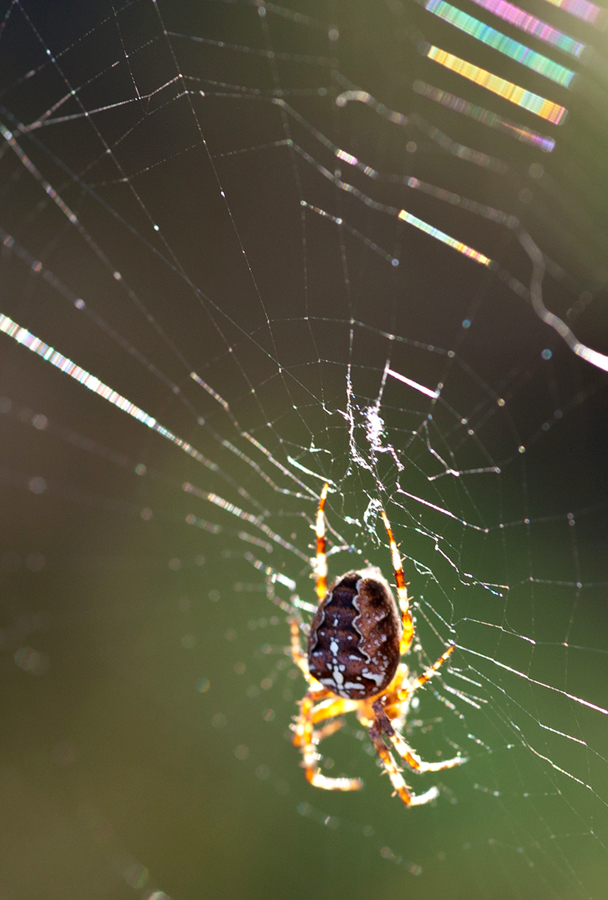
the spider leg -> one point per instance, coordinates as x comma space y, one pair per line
394, 773
303, 723
326, 730
321, 568
297, 654
307, 739
404, 600
405, 692
331, 708
405, 751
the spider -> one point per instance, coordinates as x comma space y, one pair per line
353, 664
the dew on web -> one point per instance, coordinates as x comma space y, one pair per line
249, 249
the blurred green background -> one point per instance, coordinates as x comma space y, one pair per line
147, 693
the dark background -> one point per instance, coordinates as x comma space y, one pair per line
146, 693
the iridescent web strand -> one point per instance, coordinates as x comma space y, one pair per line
49, 354
523, 20
485, 116
540, 106
525, 56
581, 9
444, 238
65, 365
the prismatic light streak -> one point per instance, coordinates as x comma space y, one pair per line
485, 116
523, 55
581, 9
540, 106
65, 365
444, 238
414, 384
235, 510
61, 362
531, 25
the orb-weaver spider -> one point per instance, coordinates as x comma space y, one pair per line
353, 664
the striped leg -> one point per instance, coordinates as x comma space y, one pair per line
419, 765
307, 739
321, 544
404, 600
405, 751
394, 773
303, 722
409, 689
332, 707
297, 653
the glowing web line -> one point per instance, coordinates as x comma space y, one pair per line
548, 687
581, 9
600, 360
235, 510
531, 25
485, 116
61, 362
445, 238
444, 140
414, 384
525, 56
49, 354
540, 106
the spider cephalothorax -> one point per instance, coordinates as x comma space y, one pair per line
353, 664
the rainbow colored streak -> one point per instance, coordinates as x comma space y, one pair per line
499, 41
444, 238
485, 116
546, 109
521, 19
49, 354
581, 9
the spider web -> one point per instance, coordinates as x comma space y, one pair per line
248, 248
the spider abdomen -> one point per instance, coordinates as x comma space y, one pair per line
353, 647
